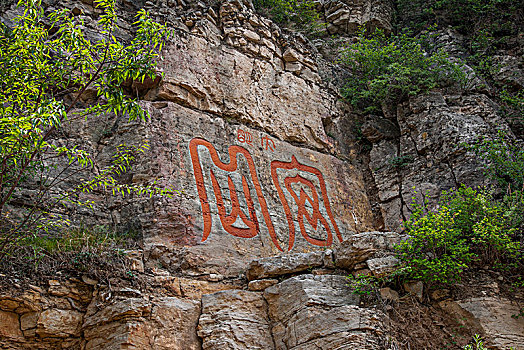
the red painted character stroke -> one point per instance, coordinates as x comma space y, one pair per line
244, 136
269, 144
301, 200
228, 220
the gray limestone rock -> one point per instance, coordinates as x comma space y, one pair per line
162, 323
283, 265
430, 157
234, 320
360, 247
258, 285
309, 312
382, 266
496, 316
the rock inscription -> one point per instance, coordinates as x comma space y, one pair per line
301, 189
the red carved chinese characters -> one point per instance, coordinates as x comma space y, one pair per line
269, 144
244, 136
316, 216
228, 220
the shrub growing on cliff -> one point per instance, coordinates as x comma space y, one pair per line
386, 70
504, 158
303, 13
468, 227
488, 25
47, 65
465, 15
504, 164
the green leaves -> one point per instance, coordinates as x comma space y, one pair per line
108, 16
47, 64
504, 158
303, 13
469, 226
387, 70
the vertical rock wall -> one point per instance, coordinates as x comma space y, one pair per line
238, 127
253, 252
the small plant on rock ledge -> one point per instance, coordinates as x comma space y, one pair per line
478, 344
363, 285
400, 161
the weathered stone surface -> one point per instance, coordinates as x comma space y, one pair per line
118, 335
346, 17
184, 234
378, 129
291, 295
163, 323
8, 304
389, 294
234, 320
429, 155
495, 315
225, 82
283, 265
59, 323
415, 288
382, 266
509, 70
311, 312
440, 294
10, 326
57, 289
253, 92
127, 308
290, 55
194, 289
28, 320
349, 340
360, 247
258, 285
312, 323
135, 259
328, 259
204, 73
173, 324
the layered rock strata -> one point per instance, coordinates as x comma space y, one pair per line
296, 301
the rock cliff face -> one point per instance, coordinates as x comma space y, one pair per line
238, 126
298, 300
273, 212
292, 301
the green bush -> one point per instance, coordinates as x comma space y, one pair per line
504, 164
513, 105
465, 15
386, 70
363, 285
504, 158
303, 13
488, 25
468, 227
478, 344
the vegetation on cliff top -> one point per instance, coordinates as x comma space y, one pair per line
386, 70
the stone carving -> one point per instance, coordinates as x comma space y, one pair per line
301, 199
267, 143
307, 202
244, 136
228, 220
